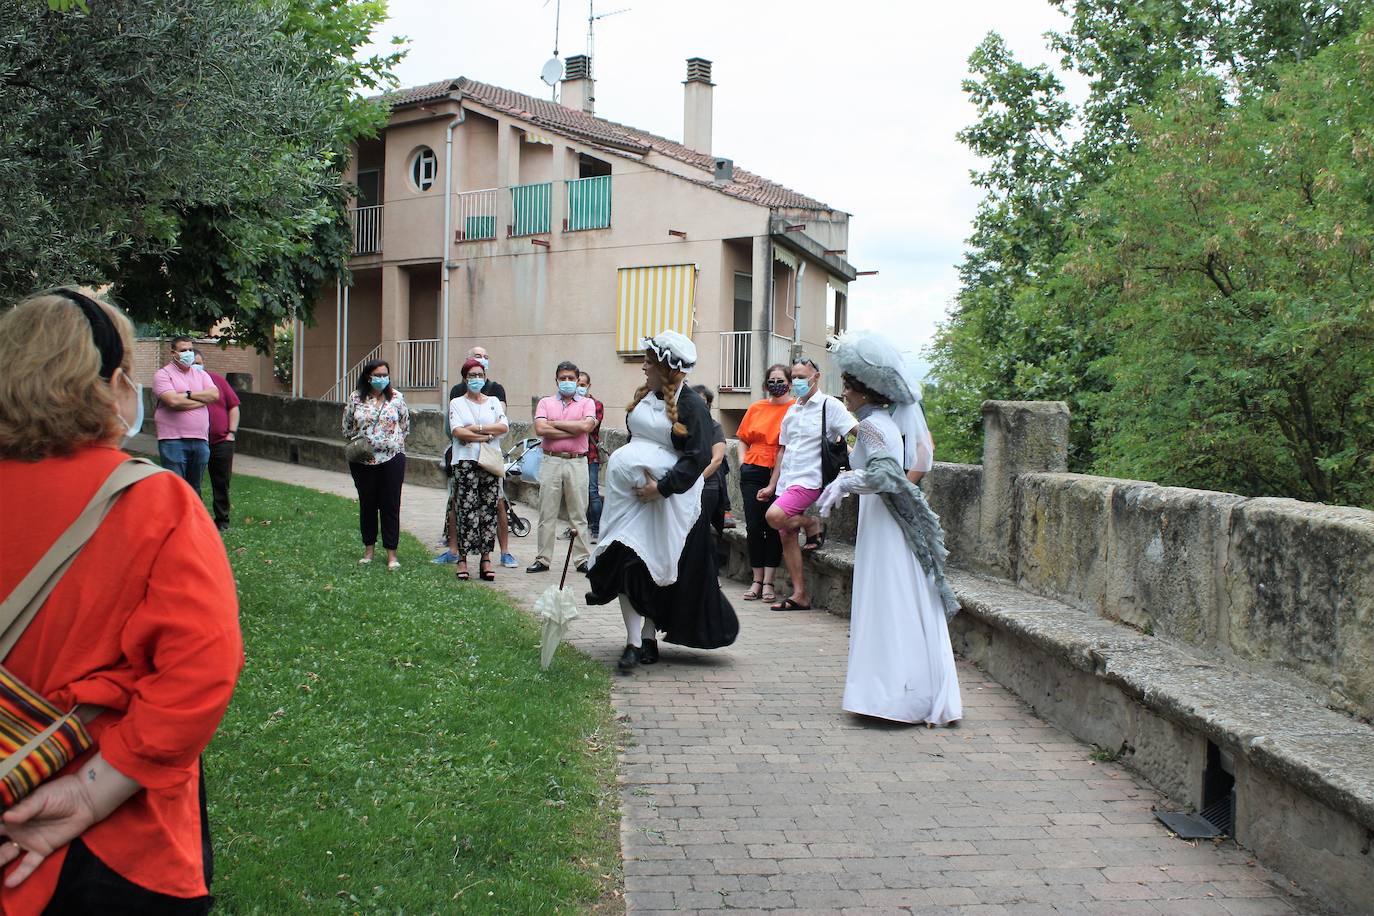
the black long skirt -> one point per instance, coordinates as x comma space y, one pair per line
693, 611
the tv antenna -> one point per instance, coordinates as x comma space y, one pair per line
592, 17
553, 67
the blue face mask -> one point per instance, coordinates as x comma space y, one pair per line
476, 384
379, 382
186, 358
131, 429
581, 392
567, 389
801, 387
484, 361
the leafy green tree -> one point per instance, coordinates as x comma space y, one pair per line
1033, 319
1239, 246
189, 153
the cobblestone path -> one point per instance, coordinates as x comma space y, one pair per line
745, 786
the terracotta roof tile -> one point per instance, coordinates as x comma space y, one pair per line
579, 125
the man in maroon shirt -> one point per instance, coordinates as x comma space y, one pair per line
224, 428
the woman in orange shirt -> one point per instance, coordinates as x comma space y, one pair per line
759, 433
144, 624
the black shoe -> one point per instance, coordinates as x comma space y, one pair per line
537, 566
648, 654
584, 567
628, 659
222, 526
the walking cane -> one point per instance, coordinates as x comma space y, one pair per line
566, 560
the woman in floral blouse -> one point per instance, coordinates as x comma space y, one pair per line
379, 412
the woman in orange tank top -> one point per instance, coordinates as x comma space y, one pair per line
758, 431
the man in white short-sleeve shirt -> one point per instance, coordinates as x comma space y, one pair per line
797, 473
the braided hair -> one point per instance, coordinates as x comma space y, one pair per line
669, 395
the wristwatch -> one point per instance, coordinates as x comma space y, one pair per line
188, 394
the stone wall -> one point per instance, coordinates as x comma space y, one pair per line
1270, 582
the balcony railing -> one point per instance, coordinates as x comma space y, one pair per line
531, 206
779, 350
476, 215
417, 363
367, 229
736, 355
589, 204
344, 387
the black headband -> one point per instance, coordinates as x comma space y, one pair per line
103, 331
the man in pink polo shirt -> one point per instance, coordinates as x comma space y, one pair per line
563, 421
183, 422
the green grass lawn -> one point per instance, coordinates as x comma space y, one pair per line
392, 745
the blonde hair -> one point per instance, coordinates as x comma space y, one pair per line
52, 398
672, 380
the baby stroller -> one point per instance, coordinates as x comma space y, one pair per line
522, 460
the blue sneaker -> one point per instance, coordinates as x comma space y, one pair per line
447, 556
508, 561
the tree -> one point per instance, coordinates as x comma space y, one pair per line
189, 153
1239, 244
1032, 321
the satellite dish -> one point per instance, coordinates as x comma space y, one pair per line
552, 71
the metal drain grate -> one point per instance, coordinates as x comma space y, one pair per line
1221, 814
1187, 826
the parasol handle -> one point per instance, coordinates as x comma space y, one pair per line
568, 559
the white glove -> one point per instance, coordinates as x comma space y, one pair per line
831, 496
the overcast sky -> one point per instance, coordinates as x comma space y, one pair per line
854, 103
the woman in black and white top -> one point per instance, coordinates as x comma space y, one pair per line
473, 419
655, 553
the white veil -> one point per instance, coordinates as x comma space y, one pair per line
911, 420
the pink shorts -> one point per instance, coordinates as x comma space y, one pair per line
796, 500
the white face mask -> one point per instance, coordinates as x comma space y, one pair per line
132, 429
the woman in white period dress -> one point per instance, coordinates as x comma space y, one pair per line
655, 553
901, 663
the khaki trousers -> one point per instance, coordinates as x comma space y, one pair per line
563, 483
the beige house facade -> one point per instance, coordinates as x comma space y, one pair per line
545, 233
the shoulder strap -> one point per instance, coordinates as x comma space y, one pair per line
20, 606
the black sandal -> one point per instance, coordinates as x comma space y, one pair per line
768, 594
486, 574
462, 574
755, 591
814, 542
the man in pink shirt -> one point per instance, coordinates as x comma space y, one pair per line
563, 421
183, 422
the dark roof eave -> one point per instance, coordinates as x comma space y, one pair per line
802, 244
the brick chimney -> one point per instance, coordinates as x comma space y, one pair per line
579, 89
696, 109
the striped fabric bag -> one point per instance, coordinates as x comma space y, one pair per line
36, 738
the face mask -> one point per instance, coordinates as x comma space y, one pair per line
800, 386
777, 387
476, 384
379, 382
131, 429
581, 392
567, 389
186, 358
484, 361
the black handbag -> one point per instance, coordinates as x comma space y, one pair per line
834, 452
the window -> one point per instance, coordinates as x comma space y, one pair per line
423, 168
835, 300
369, 188
744, 302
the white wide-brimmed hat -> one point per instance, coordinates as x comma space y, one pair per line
873, 361
672, 348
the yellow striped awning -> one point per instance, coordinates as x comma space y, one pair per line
651, 300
